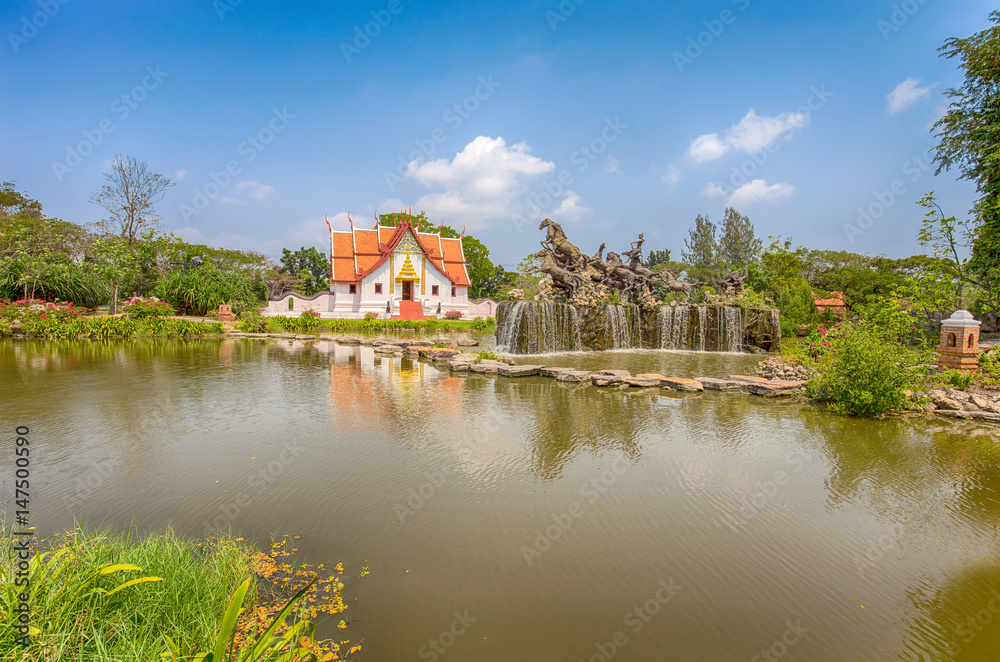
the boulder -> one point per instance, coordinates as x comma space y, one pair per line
388, 349
944, 402
519, 370
959, 396
953, 413
986, 416
574, 376
681, 384
718, 384
984, 403
609, 377
467, 342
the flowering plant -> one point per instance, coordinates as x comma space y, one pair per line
26, 311
139, 308
453, 315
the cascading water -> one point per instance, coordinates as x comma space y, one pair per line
531, 327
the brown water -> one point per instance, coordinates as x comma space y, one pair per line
570, 523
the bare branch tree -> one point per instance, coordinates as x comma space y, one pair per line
130, 196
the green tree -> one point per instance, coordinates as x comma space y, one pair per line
114, 260
969, 133
130, 195
701, 251
309, 266
738, 245
656, 258
949, 241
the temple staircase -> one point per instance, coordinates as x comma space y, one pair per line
410, 310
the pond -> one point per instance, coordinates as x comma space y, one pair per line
533, 519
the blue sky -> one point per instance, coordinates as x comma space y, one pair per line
611, 118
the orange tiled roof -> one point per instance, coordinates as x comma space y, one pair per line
358, 252
836, 300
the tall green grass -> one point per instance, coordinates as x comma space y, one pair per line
75, 622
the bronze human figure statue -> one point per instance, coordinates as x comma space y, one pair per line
587, 279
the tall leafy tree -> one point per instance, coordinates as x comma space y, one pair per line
657, 257
701, 250
129, 195
738, 245
310, 266
970, 138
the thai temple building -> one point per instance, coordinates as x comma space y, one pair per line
396, 272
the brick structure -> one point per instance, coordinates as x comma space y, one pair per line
226, 313
959, 346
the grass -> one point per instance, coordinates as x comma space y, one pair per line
80, 616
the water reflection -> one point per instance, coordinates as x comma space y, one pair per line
881, 536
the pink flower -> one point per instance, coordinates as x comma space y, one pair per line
822, 331
812, 344
826, 344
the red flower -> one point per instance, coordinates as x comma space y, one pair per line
822, 331
826, 344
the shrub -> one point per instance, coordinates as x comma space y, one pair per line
796, 304
309, 319
370, 316
486, 355
251, 321
866, 373
989, 366
139, 308
957, 378
25, 311
482, 324
453, 315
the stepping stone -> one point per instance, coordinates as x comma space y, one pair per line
554, 372
644, 380
349, 341
520, 370
459, 366
441, 353
718, 384
609, 377
388, 349
420, 343
574, 376
681, 384
491, 367
773, 388
467, 342
746, 379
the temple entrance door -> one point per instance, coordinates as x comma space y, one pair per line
407, 290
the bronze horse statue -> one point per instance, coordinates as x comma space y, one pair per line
673, 285
561, 277
556, 241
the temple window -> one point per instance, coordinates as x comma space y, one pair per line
972, 339
352, 289
434, 290
453, 291
951, 340
378, 288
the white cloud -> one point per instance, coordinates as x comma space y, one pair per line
714, 191
758, 190
707, 148
672, 175
257, 191
612, 165
570, 208
906, 94
313, 232
180, 174
190, 235
482, 182
754, 132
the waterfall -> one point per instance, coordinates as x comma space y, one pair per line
534, 327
